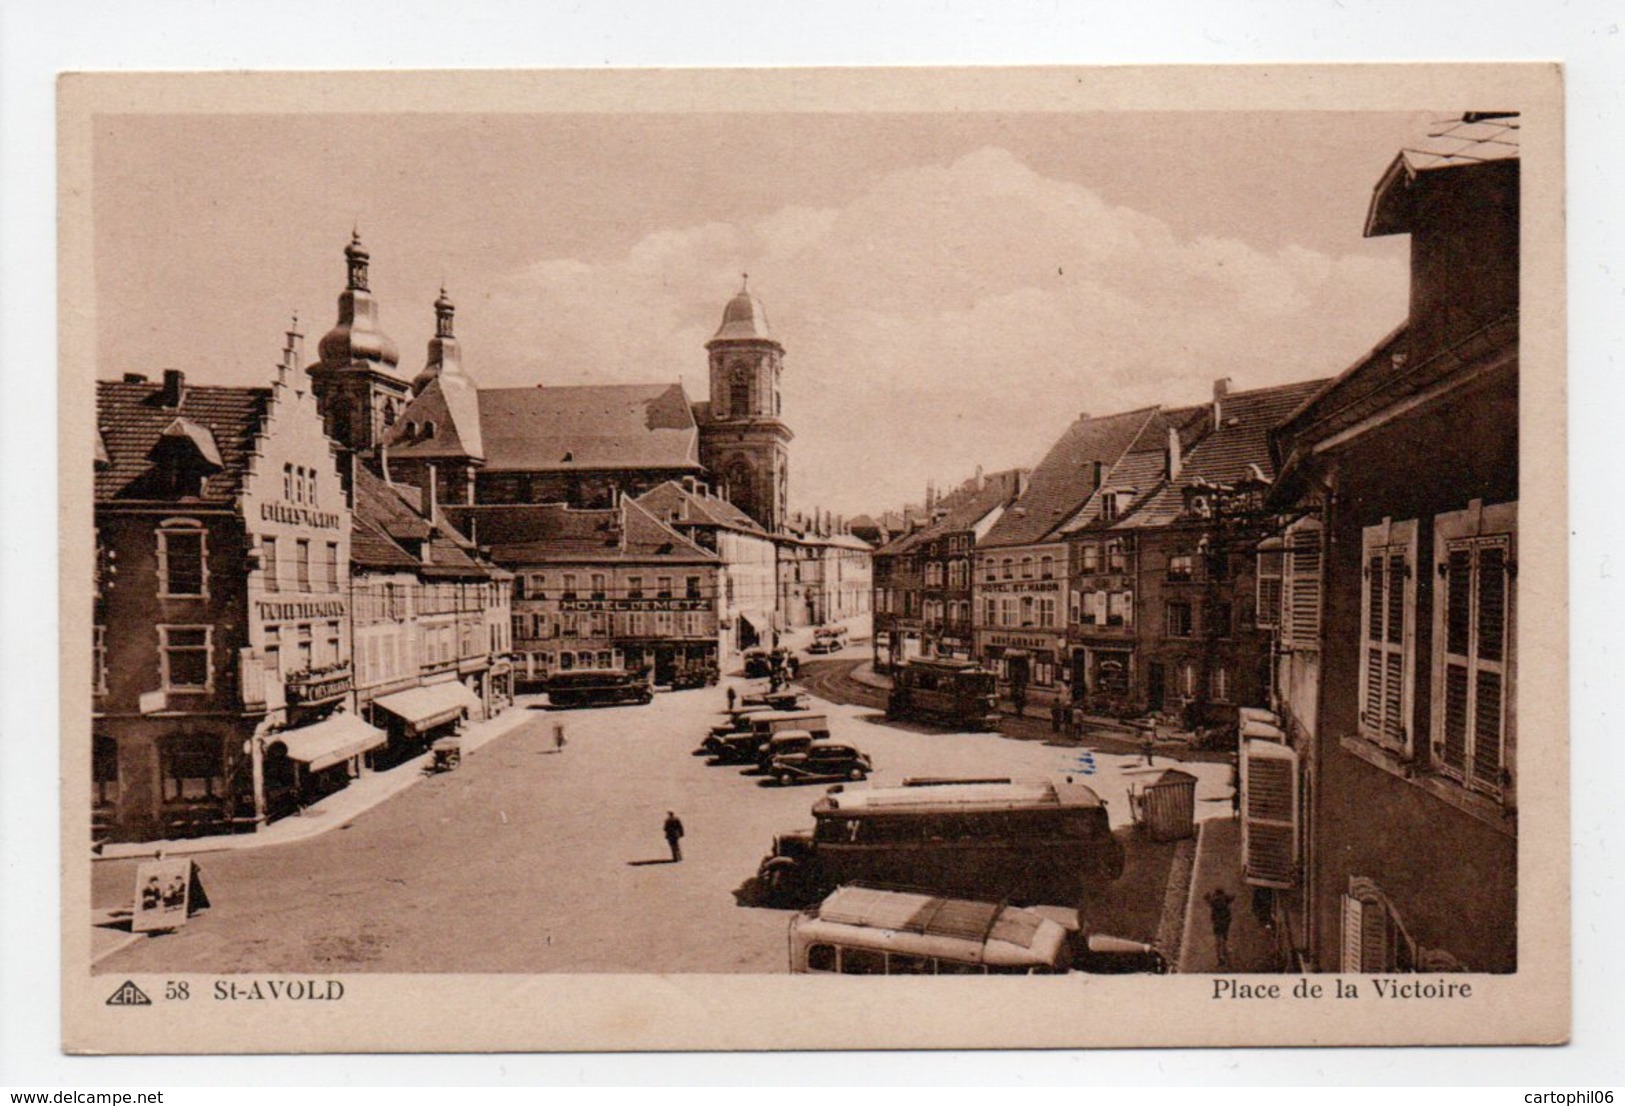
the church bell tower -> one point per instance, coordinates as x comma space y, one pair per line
743, 439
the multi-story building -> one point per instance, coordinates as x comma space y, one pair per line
1021, 575
1397, 671
222, 642
610, 588
929, 572
427, 651
1162, 613
825, 576
747, 556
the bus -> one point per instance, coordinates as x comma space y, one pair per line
596, 687
1045, 841
955, 692
867, 931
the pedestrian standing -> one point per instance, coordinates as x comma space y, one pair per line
674, 835
1148, 750
1056, 712
1264, 908
732, 696
1218, 906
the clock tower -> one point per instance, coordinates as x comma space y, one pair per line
743, 439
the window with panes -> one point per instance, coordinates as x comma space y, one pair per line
185, 655
1178, 619
192, 767
182, 566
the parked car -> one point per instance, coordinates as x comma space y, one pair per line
820, 761
745, 747
734, 723
778, 700
825, 645
758, 665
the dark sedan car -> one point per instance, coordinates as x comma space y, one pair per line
820, 761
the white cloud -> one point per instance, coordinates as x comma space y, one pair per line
948, 316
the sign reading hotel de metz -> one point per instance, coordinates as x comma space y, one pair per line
634, 604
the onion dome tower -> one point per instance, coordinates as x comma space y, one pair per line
356, 388
743, 438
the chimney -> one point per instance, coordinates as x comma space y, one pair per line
135, 378
174, 387
352, 462
1022, 476
1175, 460
430, 493
978, 485
1221, 389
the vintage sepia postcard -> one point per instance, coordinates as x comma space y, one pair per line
602, 560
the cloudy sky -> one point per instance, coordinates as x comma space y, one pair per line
951, 289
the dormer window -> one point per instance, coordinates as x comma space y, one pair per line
428, 429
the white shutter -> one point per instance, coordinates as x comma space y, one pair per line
1301, 586
1269, 814
1365, 935
1353, 916
1388, 633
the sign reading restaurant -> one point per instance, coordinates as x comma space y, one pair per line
1020, 641
635, 604
299, 516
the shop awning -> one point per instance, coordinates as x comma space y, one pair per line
331, 741
761, 623
423, 708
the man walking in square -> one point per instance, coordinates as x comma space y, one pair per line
674, 836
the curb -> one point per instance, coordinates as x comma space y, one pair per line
405, 775
1190, 893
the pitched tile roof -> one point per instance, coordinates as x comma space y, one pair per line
1472, 140
610, 426
389, 532
1229, 452
528, 533
1065, 478
450, 403
131, 418
694, 509
964, 507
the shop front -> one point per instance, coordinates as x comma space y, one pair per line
1103, 675
413, 719
1024, 662
307, 763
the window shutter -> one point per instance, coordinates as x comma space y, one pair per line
1269, 814
1301, 586
1353, 941
1387, 633
1473, 646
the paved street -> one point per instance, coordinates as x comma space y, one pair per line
527, 860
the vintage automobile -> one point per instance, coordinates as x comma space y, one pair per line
878, 931
734, 723
1038, 841
819, 761
758, 664
745, 747
825, 645
778, 700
